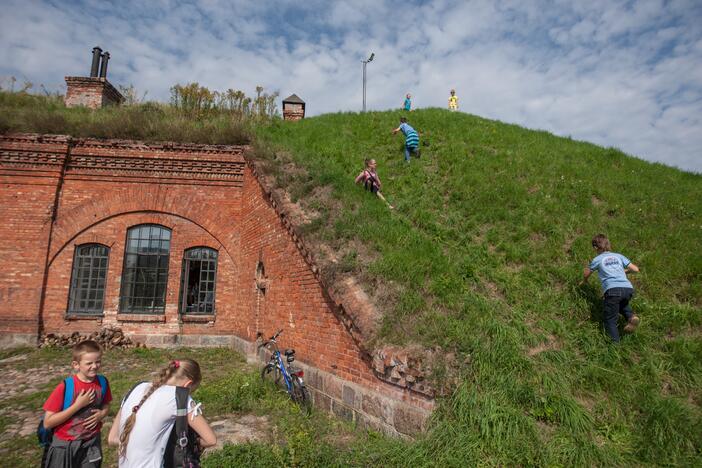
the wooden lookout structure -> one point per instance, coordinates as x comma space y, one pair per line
293, 108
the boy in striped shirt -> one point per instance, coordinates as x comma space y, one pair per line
411, 138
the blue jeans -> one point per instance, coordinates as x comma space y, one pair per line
410, 149
616, 301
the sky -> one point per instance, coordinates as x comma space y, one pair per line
623, 74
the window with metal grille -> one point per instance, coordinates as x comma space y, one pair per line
197, 281
145, 271
87, 291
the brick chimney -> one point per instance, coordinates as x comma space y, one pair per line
93, 91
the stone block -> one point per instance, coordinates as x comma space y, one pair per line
342, 411
408, 420
348, 396
332, 386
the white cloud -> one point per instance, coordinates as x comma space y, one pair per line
616, 73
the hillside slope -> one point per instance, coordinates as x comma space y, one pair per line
482, 258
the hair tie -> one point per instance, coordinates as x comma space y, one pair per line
176, 364
135, 409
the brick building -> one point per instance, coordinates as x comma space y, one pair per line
176, 244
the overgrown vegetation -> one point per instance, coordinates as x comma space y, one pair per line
482, 257
195, 115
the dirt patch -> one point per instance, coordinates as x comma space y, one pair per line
15, 381
239, 429
532, 190
493, 290
536, 237
596, 201
551, 343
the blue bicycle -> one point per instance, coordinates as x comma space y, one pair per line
291, 376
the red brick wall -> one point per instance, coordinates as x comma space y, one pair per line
208, 197
29, 173
294, 299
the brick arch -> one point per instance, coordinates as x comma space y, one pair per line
68, 237
155, 198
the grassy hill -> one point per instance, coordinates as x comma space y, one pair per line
481, 258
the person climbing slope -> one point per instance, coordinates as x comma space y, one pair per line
612, 267
411, 138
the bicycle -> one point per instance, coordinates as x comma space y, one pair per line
292, 376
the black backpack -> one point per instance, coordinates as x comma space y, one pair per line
182, 449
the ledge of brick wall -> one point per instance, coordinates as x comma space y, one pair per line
16, 340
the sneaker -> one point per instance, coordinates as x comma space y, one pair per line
633, 323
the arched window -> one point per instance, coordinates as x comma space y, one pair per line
197, 281
145, 271
87, 291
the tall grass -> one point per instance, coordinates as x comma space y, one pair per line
22, 112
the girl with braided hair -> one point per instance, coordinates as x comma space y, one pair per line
143, 424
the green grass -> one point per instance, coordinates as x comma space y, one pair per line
481, 257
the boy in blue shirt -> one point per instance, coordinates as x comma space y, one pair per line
411, 138
612, 269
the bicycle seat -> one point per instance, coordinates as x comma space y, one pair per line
289, 352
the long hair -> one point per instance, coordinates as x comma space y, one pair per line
185, 368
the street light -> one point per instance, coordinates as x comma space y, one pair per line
365, 62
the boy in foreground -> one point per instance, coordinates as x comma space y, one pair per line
76, 439
612, 269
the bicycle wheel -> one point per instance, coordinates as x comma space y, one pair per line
301, 395
271, 373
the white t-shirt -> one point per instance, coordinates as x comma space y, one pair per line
154, 421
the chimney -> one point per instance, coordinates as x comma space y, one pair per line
103, 65
96, 62
95, 91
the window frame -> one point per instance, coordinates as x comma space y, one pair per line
128, 286
184, 276
74, 289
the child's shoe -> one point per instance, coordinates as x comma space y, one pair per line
633, 323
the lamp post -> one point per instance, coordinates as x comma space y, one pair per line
365, 62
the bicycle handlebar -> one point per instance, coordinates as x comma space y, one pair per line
272, 339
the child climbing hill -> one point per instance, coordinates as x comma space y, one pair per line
411, 138
408, 102
371, 181
612, 268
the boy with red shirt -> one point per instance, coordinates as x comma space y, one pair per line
76, 440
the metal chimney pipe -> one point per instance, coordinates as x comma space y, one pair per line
96, 62
103, 65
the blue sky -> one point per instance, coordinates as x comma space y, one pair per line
617, 73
